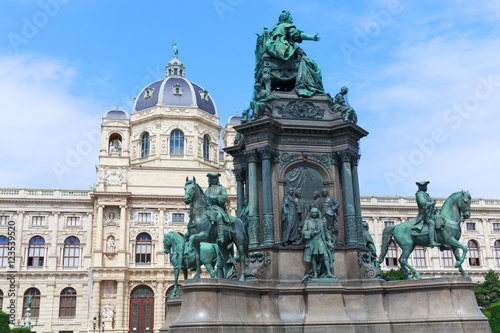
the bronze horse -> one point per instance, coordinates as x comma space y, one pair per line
173, 243
201, 229
454, 208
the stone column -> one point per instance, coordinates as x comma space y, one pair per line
348, 196
120, 306
267, 195
19, 232
53, 244
161, 230
240, 190
96, 297
98, 236
357, 199
159, 307
489, 256
253, 199
158, 139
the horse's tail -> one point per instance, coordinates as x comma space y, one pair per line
386, 239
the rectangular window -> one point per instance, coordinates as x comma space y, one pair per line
419, 256
471, 226
144, 217
447, 258
388, 223
38, 220
496, 226
73, 221
4, 220
178, 218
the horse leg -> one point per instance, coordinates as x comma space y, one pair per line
185, 271
241, 253
222, 260
403, 260
176, 278
455, 245
456, 252
198, 261
210, 269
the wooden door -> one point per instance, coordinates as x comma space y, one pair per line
141, 314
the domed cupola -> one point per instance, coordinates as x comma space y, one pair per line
175, 90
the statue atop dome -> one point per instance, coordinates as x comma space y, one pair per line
175, 48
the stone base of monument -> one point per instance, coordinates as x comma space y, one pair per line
430, 305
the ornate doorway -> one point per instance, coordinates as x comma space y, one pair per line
141, 310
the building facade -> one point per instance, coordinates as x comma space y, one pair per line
99, 253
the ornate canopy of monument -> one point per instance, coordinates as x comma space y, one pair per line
312, 265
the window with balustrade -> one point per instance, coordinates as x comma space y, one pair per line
391, 259
71, 254
36, 251
143, 248
473, 253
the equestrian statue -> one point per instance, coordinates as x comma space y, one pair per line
185, 258
430, 228
210, 222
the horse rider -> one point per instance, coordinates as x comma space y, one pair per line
217, 197
426, 212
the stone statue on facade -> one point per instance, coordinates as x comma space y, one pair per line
426, 212
217, 197
110, 244
370, 244
328, 207
115, 143
107, 313
340, 105
319, 248
290, 219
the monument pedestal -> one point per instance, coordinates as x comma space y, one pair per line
431, 305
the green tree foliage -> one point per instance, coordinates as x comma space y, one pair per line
20, 330
394, 275
488, 292
494, 318
4, 322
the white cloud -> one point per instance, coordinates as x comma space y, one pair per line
415, 96
44, 122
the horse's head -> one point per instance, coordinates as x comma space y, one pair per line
167, 244
464, 204
189, 190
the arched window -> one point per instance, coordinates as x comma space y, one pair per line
145, 145
1, 299
419, 256
36, 251
177, 142
473, 253
115, 144
67, 304
71, 256
4, 251
206, 147
35, 303
143, 248
497, 252
447, 258
391, 259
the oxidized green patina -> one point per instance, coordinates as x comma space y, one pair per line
448, 230
184, 258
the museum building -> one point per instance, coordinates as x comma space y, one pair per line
99, 253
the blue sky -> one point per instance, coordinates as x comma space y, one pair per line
424, 78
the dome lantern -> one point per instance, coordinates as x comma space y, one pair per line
175, 68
